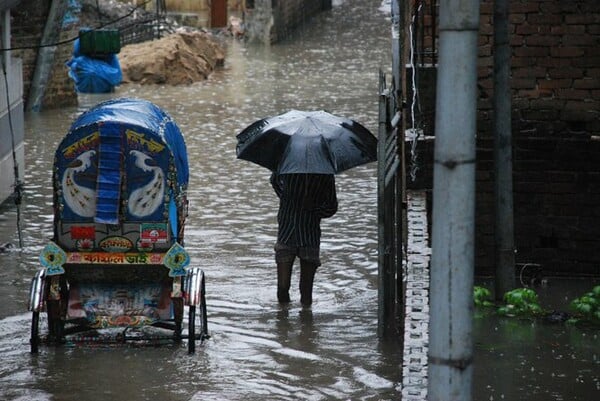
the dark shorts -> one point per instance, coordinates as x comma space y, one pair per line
286, 254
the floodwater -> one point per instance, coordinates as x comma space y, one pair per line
259, 350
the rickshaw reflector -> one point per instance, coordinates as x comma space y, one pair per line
177, 259
52, 259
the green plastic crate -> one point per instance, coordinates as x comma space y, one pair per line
99, 42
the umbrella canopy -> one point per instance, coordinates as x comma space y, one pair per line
314, 142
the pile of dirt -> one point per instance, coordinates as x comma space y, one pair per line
180, 58
185, 55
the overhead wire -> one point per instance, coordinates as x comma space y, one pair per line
101, 26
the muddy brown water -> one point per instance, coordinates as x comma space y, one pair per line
259, 350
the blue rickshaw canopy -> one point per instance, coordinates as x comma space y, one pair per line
121, 139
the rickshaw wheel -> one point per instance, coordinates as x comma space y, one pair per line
192, 329
192, 320
203, 312
34, 341
178, 317
55, 323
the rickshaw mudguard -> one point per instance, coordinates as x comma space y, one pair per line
194, 286
36, 291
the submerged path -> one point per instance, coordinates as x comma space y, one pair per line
416, 333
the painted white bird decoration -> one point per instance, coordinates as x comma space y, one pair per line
80, 199
146, 200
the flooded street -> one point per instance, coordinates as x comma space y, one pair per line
259, 350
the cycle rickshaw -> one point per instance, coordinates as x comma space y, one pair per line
116, 269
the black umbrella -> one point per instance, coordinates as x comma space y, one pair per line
299, 142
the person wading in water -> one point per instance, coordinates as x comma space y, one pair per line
304, 199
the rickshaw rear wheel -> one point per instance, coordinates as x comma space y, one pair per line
178, 317
34, 341
55, 323
204, 315
192, 329
192, 326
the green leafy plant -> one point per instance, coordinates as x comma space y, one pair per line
482, 296
587, 307
522, 302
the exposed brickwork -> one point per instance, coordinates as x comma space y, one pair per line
556, 196
556, 115
60, 90
27, 27
554, 67
555, 84
28, 22
555, 64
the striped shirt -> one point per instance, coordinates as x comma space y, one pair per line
304, 199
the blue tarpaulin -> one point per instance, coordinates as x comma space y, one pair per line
94, 75
122, 150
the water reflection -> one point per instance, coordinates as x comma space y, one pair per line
532, 360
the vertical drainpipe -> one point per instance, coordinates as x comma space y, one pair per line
452, 262
504, 246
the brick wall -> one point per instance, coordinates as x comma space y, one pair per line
60, 90
27, 25
28, 22
555, 87
555, 65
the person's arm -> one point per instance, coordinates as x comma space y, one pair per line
329, 205
277, 184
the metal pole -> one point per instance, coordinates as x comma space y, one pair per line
6, 54
382, 247
452, 262
390, 190
396, 289
399, 72
396, 42
504, 216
